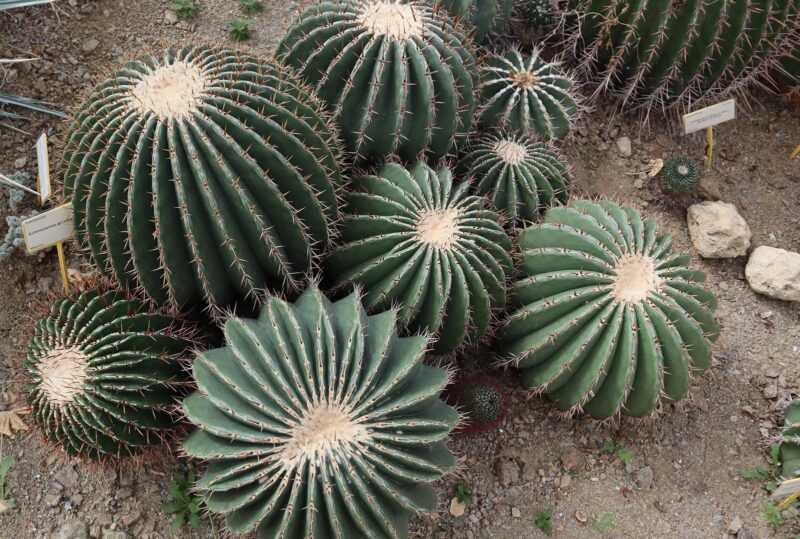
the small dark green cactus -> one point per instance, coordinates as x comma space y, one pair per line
319, 422
482, 400
520, 176
790, 445
105, 374
482, 17
680, 176
536, 14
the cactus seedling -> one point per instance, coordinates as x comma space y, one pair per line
607, 320
202, 177
413, 239
537, 13
318, 421
398, 76
239, 29
520, 175
527, 94
680, 176
482, 400
105, 374
790, 445
482, 17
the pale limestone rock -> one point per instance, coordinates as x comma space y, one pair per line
774, 273
717, 230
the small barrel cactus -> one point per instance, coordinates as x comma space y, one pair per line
536, 14
397, 75
482, 400
105, 374
482, 17
790, 444
519, 175
202, 177
413, 239
318, 421
680, 176
606, 319
527, 94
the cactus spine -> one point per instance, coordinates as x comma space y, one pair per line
104, 374
520, 175
482, 17
606, 319
679, 176
790, 444
398, 76
201, 177
318, 421
413, 239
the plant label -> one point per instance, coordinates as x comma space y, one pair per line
709, 116
43, 160
48, 229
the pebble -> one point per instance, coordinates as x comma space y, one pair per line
572, 460
66, 477
771, 390
516, 513
124, 492
90, 45
735, 526
108, 534
644, 477
507, 471
457, 508
624, 146
74, 529
638, 184
170, 17
20, 163
52, 499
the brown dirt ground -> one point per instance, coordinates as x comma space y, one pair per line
695, 450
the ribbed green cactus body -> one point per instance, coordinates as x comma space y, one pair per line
660, 53
790, 444
104, 374
537, 13
398, 76
520, 176
679, 176
318, 421
202, 176
413, 239
526, 94
606, 319
482, 17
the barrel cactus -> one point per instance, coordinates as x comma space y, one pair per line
318, 421
606, 319
661, 54
527, 94
680, 176
536, 14
520, 175
105, 374
397, 75
790, 444
413, 239
482, 400
202, 177
482, 17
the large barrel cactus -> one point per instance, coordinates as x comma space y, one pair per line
202, 176
413, 239
482, 17
662, 53
397, 75
318, 421
527, 94
105, 374
790, 443
520, 175
606, 319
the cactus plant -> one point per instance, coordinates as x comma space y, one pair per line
318, 421
105, 373
202, 177
520, 175
527, 94
606, 318
790, 444
536, 14
662, 54
397, 75
679, 176
482, 400
483, 17
412, 238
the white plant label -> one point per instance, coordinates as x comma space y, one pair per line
709, 116
48, 228
43, 160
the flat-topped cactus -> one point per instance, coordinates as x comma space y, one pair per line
606, 319
105, 374
318, 421
679, 176
398, 76
482, 17
527, 94
413, 239
790, 443
520, 175
202, 177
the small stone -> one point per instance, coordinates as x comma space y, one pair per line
20, 163
507, 471
624, 146
170, 17
52, 500
130, 518
90, 45
67, 477
717, 230
565, 481
771, 390
516, 513
764, 316
457, 508
644, 477
124, 492
708, 188
774, 273
572, 460
735, 526
638, 184
74, 529
109, 534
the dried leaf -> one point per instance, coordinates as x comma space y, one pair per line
654, 166
10, 422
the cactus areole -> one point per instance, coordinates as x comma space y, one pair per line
202, 177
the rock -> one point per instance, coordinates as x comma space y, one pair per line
638, 183
20, 163
717, 230
516, 513
170, 17
130, 518
74, 529
735, 526
90, 45
66, 477
771, 390
644, 477
124, 492
108, 534
457, 508
708, 188
507, 471
52, 499
774, 273
624, 146
572, 460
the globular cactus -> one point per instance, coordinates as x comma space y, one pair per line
413, 239
482, 400
658, 54
680, 176
398, 76
105, 374
536, 14
318, 421
527, 94
482, 17
606, 319
790, 444
202, 177
520, 175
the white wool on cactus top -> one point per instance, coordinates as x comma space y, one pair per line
775, 273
